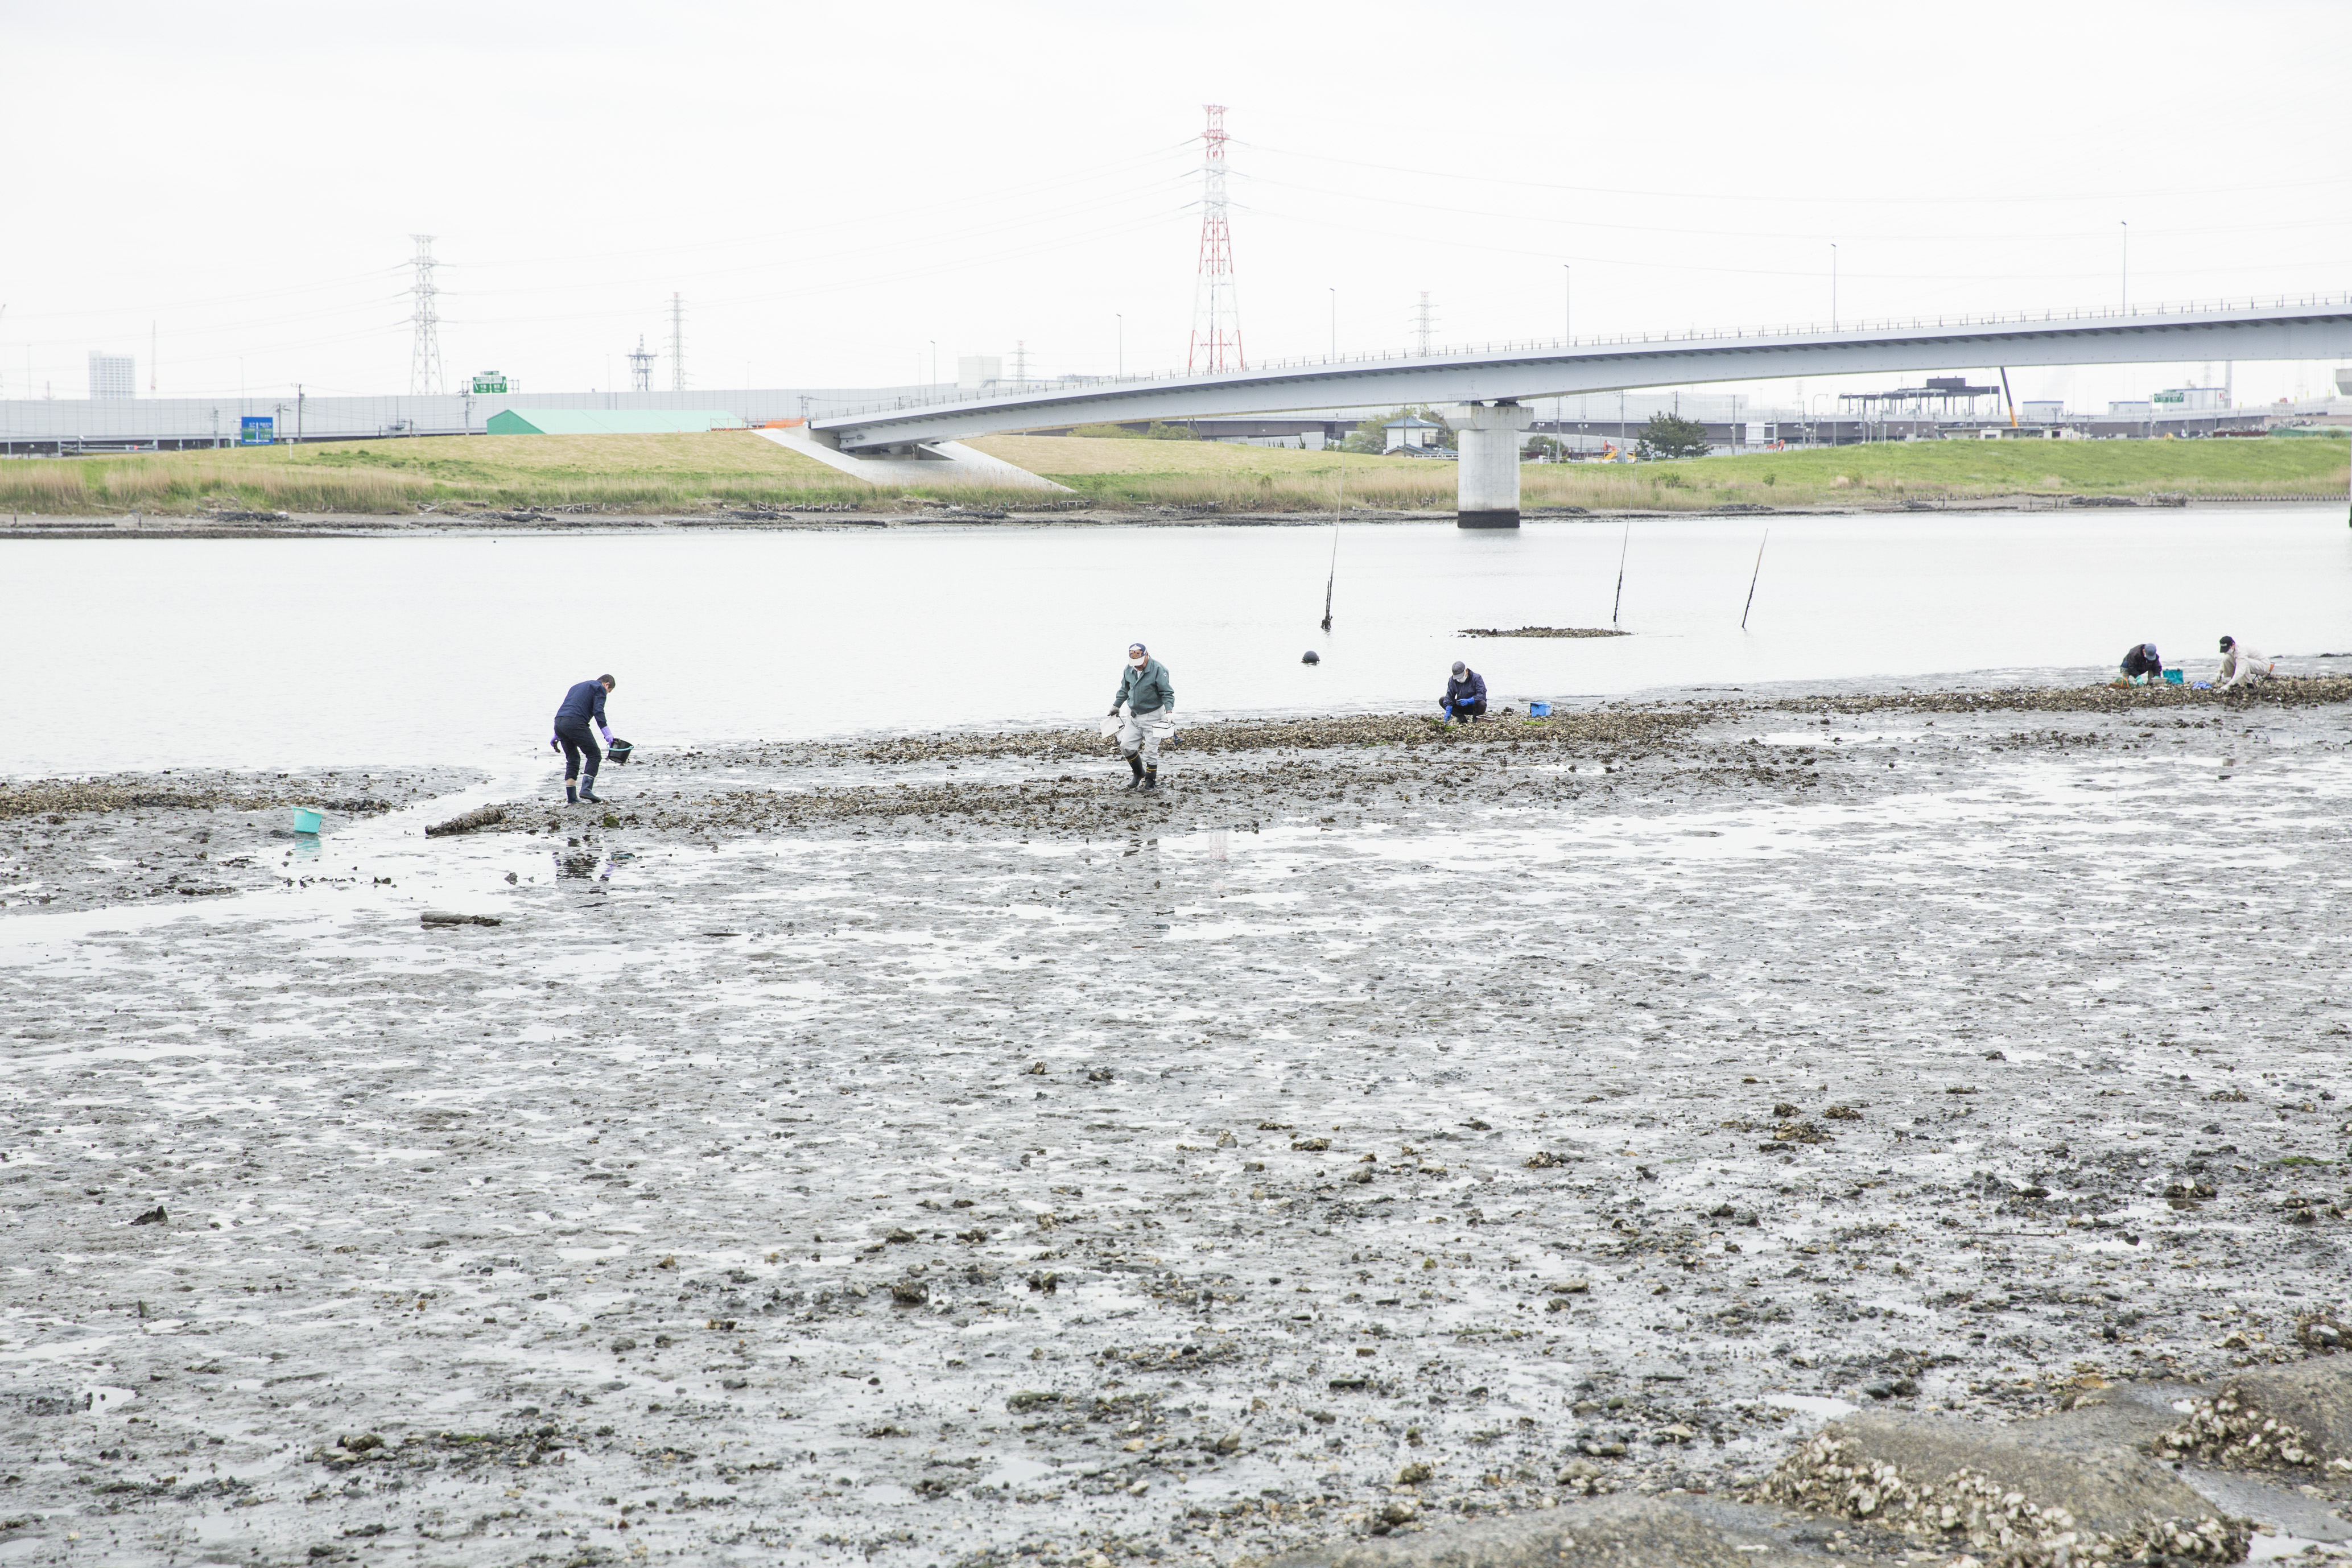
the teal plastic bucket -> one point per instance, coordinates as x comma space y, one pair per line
306, 820
1538, 710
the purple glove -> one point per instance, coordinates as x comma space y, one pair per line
608, 734
553, 744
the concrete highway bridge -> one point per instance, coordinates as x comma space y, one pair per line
1487, 393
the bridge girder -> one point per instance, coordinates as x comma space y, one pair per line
2312, 330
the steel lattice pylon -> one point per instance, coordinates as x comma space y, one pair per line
1216, 313
424, 355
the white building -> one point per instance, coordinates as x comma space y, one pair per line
1410, 431
113, 375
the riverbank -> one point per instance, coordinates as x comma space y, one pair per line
737, 476
1384, 1126
715, 518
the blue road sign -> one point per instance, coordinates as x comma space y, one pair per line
256, 431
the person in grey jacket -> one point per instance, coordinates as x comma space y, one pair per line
1149, 699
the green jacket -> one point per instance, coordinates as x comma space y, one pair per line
1148, 690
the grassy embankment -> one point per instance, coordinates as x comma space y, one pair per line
1180, 473
684, 473
648, 473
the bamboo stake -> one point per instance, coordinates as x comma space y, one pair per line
1331, 582
1620, 604
1751, 581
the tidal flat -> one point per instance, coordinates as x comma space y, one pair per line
924, 1151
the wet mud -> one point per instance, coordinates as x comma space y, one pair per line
191, 833
926, 1150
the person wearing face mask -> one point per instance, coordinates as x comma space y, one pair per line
2241, 665
1465, 694
1149, 699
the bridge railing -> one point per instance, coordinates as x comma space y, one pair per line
2078, 316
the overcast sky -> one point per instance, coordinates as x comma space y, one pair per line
841, 192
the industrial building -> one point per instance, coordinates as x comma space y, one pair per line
609, 421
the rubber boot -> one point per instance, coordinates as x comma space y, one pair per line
588, 790
571, 794
1135, 765
1151, 778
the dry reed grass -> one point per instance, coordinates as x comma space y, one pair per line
688, 473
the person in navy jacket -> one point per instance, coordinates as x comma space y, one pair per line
1465, 694
582, 704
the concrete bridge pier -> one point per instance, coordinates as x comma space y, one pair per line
1487, 435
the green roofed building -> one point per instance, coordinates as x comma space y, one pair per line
609, 421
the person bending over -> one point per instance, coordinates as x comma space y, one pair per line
1149, 699
1465, 694
2242, 666
582, 704
2142, 665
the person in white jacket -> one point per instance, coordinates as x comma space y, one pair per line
2241, 665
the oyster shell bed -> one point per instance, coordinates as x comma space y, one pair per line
925, 1151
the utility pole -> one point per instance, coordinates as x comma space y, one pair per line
1423, 318
1335, 322
151, 357
2126, 263
677, 343
641, 367
1833, 286
425, 351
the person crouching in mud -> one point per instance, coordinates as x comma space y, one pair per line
1465, 695
581, 704
1149, 699
2141, 665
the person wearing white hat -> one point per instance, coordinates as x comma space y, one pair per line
1149, 698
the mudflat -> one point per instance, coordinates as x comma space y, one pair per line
929, 1151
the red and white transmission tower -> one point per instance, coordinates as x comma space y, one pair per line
1216, 310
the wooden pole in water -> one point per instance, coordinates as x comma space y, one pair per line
1620, 604
1331, 582
1751, 581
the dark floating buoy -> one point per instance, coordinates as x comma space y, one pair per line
1310, 657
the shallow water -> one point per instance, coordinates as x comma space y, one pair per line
454, 650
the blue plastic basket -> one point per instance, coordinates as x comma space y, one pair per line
1538, 710
2173, 677
307, 821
